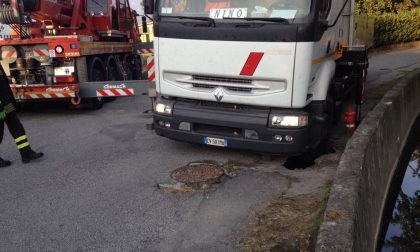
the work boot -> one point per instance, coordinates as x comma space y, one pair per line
29, 155
4, 163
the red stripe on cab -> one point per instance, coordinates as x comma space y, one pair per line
252, 63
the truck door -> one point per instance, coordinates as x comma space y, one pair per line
125, 21
114, 15
347, 23
100, 16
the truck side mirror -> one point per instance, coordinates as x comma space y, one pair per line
149, 7
144, 24
323, 24
339, 14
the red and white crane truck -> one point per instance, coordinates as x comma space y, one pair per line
80, 50
261, 75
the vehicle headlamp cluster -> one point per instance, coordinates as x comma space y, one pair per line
163, 109
288, 121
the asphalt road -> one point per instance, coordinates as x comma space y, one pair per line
389, 65
96, 189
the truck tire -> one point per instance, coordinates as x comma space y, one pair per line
128, 67
331, 111
112, 70
136, 69
112, 74
97, 102
96, 73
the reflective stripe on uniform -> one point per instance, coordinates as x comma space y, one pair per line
21, 146
3, 115
21, 138
9, 108
22, 142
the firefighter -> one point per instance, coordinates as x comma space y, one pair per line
8, 115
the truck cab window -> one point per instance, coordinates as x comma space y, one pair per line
325, 6
114, 16
290, 8
123, 8
220, 9
97, 6
216, 5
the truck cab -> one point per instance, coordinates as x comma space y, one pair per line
254, 74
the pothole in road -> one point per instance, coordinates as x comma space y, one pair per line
197, 173
199, 176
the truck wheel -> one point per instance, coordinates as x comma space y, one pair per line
96, 73
112, 75
331, 111
136, 69
97, 102
128, 67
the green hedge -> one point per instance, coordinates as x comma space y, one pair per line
393, 28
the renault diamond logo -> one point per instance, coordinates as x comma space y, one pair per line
218, 94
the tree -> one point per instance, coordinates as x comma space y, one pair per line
407, 216
377, 7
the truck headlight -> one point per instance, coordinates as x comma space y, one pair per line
288, 121
163, 109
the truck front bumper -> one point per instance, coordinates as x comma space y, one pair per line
194, 123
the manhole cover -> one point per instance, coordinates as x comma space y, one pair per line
197, 173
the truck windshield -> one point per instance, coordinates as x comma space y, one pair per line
236, 9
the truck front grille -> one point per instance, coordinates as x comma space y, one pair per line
232, 85
222, 79
236, 89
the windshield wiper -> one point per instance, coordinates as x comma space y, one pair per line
276, 20
211, 21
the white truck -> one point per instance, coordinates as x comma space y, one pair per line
260, 75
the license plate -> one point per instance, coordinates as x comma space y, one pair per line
215, 141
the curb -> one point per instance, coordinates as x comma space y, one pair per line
354, 211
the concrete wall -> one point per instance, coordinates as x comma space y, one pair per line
354, 211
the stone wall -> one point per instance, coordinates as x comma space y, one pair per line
354, 211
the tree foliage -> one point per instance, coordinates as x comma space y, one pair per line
377, 7
391, 28
396, 21
407, 214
